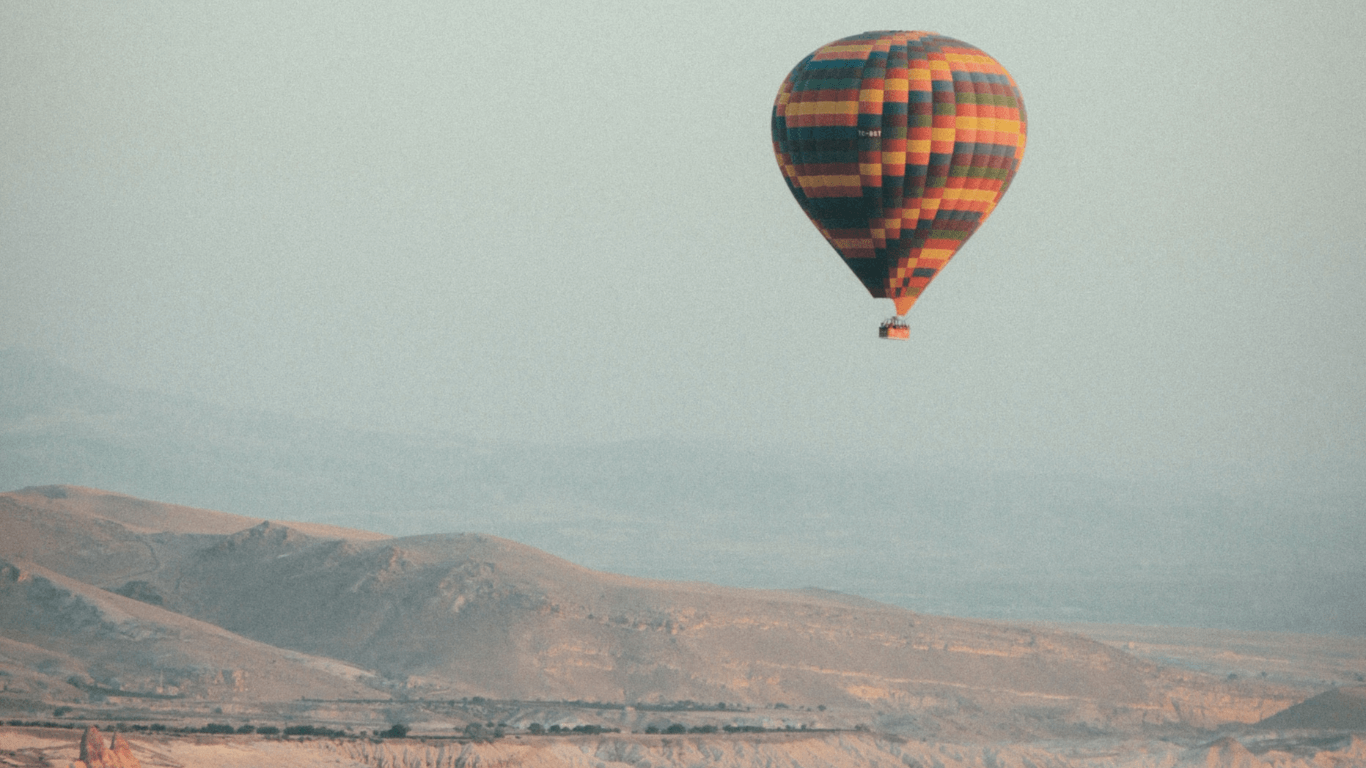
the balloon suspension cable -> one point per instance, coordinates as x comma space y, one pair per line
894, 327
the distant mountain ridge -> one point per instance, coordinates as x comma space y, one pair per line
461, 615
935, 538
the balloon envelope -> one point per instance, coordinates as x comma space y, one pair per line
898, 145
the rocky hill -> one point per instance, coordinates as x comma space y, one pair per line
63, 639
142, 592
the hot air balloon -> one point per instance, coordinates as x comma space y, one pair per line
898, 145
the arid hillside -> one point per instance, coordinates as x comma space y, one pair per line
142, 586
68, 640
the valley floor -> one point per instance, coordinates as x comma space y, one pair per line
23, 747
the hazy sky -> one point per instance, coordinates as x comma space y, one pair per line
564, 222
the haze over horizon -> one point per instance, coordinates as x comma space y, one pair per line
564, 226
968, 542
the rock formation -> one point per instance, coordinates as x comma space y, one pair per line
95, 755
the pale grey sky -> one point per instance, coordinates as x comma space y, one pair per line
563, 222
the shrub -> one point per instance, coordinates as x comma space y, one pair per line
297, 730
309, 730
396, 731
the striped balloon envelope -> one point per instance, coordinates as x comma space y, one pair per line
898, 145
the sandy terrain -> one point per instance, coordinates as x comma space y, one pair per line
24, 747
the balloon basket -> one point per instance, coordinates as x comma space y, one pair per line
894, 329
